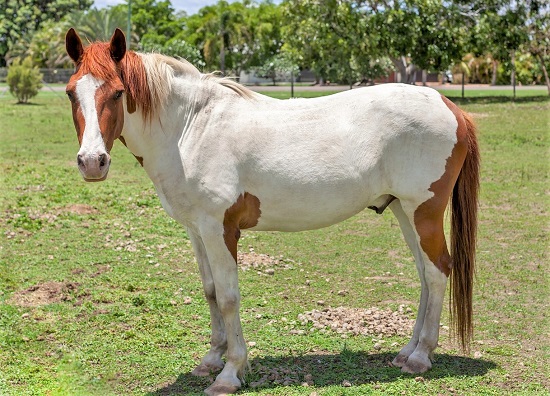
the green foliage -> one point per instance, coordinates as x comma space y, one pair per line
332, 38
175, 47
154, 16
278, 67
46, 46
341, 41
24, 80
20, 18
97, 24
235, 36
528, 71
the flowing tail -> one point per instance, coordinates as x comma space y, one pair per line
464, 206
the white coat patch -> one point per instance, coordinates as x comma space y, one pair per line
92, 141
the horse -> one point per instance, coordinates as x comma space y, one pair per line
223, 159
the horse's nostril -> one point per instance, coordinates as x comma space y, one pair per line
102, 158
79, 160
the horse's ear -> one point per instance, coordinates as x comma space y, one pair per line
118, 45
73, 45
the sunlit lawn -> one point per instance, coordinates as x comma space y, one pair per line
130, 317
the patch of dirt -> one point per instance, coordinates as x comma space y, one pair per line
79, 209
43, 294
263, 263
100, 270
278, 376
356, 321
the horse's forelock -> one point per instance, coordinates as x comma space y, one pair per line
97, 61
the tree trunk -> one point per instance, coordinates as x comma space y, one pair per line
401, 65
222, 57
513, 59
411, 71
292, 84
424, 77
545, 71
495, 70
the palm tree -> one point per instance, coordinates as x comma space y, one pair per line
99, 24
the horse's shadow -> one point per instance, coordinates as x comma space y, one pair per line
330, 369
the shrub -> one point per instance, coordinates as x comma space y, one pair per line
24, 80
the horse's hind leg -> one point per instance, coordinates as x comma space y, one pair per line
423, 231
411, 238
212, 362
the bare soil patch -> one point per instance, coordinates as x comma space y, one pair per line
356, 321
79, 209
43, 294
263, 263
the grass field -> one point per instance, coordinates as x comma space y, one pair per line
100, 295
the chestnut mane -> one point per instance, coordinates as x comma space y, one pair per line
146, 78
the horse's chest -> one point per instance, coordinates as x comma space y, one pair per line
174, 199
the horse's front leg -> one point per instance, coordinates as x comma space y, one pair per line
221, 254
212, 362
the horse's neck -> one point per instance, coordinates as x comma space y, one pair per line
185, 111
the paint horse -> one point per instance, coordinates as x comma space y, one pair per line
223, 158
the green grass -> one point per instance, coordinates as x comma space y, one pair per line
470, 95
122, 327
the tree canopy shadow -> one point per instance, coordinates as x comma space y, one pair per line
331, 369
30, 104
456, 98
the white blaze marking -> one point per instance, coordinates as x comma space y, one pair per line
92, 141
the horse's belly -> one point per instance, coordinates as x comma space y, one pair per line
308, 211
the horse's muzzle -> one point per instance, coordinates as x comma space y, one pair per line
94, 167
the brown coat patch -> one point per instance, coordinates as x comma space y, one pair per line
243, 214
139, 159
429, 216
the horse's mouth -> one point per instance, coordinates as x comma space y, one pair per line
94, 180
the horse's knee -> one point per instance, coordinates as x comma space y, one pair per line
209, 290
228, 301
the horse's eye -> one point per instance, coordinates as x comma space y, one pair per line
70, 96
118, 95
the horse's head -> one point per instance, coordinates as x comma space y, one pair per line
95, 91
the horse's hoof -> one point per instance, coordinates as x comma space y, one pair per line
221, 389
416, 365
204, 370
399, 360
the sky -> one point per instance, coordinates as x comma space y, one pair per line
189, 6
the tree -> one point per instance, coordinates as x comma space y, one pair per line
237, 36
24, 80
98, 24
260, 38
46, 46
500, 30
19, 18
154, 17
538, 30
175, 47
330, 37
277, 67
215, 29
425, 34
